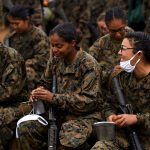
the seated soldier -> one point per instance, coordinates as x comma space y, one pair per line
13, 91
77, 96
135, 84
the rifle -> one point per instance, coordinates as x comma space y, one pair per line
126, 109
52, 131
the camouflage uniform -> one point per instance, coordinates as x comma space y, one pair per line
137, 94
119, 3
37, 17
34, 47
84, 12
13, 91
105, 51
87, 21
77, 98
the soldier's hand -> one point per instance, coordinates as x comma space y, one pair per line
124, 120
117, 68
112, 118
42, 94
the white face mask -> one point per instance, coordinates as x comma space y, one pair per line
126, 65
30, 117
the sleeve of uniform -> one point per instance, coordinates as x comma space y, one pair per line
41, 54
144, 118
107, 109
108, 105
87, 97
46, 79
12, 81
95, 49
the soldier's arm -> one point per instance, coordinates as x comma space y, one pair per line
46, 79
40, 57
86, 97
144, 119
95, 49
12, 81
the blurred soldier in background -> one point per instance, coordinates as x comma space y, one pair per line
29, 41
102, 27
37, 18
83, 13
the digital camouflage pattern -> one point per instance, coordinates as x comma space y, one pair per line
77, 98
34, 47
137, 94
12, 75
78, 94
87, 21
83, 13
13, 91
105, 51
107, 145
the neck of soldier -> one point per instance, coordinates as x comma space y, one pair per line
69, 59
142, 69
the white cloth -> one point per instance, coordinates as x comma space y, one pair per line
30, 117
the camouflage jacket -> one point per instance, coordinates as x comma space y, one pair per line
34, 47
137, 93
78, 89
12, 76
105, 51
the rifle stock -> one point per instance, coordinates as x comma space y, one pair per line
127, 109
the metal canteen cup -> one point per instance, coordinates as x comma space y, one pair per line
38, 107
104, 130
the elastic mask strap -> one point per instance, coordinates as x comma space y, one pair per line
31, 117
137, 60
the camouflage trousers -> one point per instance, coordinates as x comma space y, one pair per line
8, 119
110, 145
72, 136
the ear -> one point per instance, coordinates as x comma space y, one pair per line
140, 53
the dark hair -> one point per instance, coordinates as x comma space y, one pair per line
115, 13
67, 31
141, 42
21, 12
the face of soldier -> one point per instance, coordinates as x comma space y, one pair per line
60, 47
126, 53
18, 25
102, 27
117, 29
126, 50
